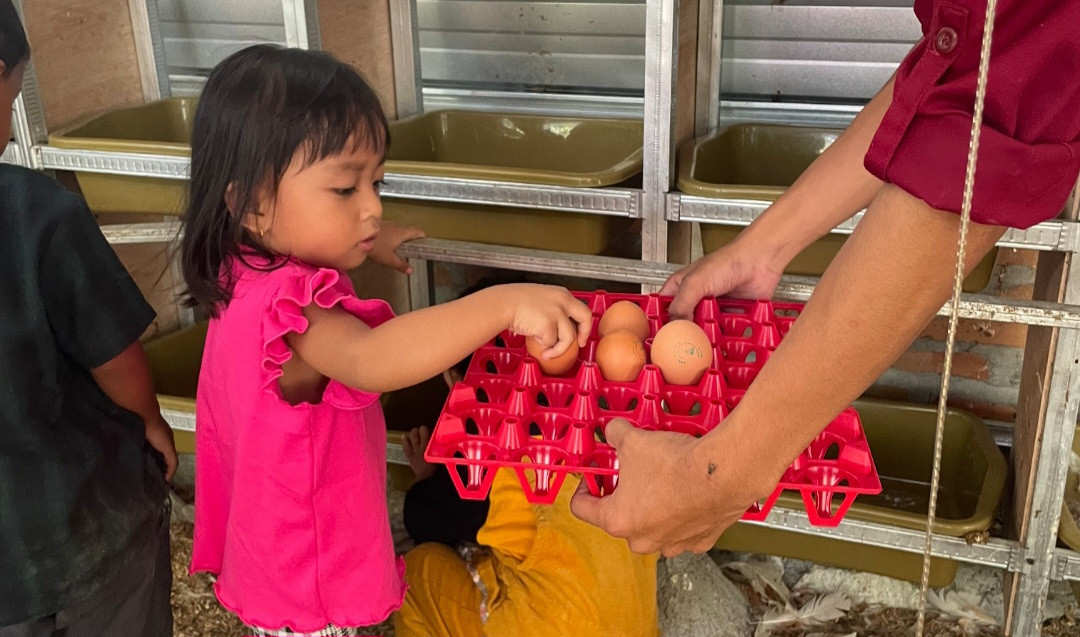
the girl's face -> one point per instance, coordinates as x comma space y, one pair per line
326, 214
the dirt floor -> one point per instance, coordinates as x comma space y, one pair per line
197, 613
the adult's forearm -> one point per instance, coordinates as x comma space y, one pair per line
831, 190
889, 280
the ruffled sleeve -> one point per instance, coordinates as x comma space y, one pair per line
297, 287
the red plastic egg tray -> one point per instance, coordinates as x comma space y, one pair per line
507, 413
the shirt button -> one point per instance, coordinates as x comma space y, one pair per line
946, 40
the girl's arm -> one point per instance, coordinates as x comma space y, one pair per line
415, 346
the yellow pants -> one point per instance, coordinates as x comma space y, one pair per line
442, 600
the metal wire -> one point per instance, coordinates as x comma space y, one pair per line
958, 279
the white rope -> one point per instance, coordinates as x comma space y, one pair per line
958, 279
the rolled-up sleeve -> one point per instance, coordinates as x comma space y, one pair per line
1029, 153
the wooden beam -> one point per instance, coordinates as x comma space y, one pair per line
144, 50
1033, 404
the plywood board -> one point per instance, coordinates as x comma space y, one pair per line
358, 33
85, 58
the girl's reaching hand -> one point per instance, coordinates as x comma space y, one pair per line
551, 315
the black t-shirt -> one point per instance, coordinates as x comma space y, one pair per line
79, 484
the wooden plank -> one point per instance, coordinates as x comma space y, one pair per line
358, 33
1031, 410
144, 49
85, 57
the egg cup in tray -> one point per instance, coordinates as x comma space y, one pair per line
508, 413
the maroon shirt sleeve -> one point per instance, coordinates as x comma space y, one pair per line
1029, 153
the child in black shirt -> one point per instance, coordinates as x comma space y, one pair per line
84, 451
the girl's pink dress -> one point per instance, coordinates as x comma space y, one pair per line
290, 507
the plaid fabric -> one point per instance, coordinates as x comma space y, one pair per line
329, 631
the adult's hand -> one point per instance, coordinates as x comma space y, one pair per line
745, 268
675, 493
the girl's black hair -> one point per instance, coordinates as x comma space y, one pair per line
14, 48
259, 107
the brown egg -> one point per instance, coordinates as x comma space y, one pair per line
682, 352
555, 366
620, 356
624, 315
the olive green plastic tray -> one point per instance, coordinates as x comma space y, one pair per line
1069, 532
901, 437
175, 360
557, 151
758, 162
537, 149
515, 227
159, 128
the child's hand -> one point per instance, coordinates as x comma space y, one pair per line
389, 239
413, 444
160, 436
551, 315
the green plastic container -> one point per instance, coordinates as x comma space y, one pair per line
174, 365
538, 149
160, 128
175, 360
758, 162
901, 438
515, 227
1068, 531
558, 151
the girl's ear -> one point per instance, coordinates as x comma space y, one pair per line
253, 221
230, 197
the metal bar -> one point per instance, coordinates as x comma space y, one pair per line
974, 306
790, 288
179, 419
1067, 566
661, 61
112, 163
620, 202
420, 290
157, 44
314, 30
13, 154
1002, 554
29, 126
131, 233
405, 41
294, 13
1055, 235
480, 254
1025, 608
395, 454
710, 55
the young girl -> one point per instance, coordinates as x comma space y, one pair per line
286, 161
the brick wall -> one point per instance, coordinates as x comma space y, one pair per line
986, 364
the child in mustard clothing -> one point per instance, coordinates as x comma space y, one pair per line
538, 571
